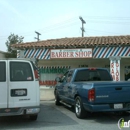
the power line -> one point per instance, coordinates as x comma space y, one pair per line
101, 20
48, 27
58, 24
108, 22
108, 17
59, 28
71, 22
93, 30
55, 28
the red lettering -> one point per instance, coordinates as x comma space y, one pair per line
117, 65
117, 73
67, 54
71, 54
82, 54
112, 71
76, 54
117, 78
112, 65
57, 54
86, 54
89, 53
53, 55
60, 54
79, 54
64, 54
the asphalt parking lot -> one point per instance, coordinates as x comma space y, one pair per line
53, 117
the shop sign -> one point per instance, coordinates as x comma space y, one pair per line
71, 53
52, 70
115, 69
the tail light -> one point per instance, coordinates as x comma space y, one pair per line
35, 71
91, 95
36, 74
92, 68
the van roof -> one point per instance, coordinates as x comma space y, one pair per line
29, 59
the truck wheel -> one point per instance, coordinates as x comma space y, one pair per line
33, 117
79, 109
57, 99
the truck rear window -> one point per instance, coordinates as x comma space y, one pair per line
2, 72
20, 71
93, 75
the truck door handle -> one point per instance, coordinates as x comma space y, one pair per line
119, 88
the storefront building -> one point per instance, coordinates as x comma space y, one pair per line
56, 56
2, 54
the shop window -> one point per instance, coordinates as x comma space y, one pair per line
107, 67
80, 66
127, 73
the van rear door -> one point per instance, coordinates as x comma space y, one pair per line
3, 84
23, 89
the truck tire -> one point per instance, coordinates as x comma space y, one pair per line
57, 99
79, 109
33, 117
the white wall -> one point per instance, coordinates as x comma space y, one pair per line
75, 62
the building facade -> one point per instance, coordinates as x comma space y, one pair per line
56, 56
2, 54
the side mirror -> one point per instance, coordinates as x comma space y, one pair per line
57, 79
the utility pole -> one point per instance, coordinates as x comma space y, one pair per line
82, 28
37, 36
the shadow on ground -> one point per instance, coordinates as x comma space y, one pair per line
103, 117
48, 117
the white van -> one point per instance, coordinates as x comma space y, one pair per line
19, 88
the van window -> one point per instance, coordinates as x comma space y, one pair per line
2, 72
20, 71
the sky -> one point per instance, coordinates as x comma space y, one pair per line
60, 18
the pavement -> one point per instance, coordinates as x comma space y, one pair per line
47, 93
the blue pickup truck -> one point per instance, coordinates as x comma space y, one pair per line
92, 90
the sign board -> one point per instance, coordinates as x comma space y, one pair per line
115, 69
71, 53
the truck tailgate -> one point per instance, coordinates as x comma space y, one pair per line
112, 92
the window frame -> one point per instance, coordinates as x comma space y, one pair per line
4, 71
87, 78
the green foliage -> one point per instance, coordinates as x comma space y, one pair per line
12, 54
13, 39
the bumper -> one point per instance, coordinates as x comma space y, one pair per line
20, 111
103, 108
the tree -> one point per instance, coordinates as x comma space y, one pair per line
13, 39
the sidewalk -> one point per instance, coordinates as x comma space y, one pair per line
46, 93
